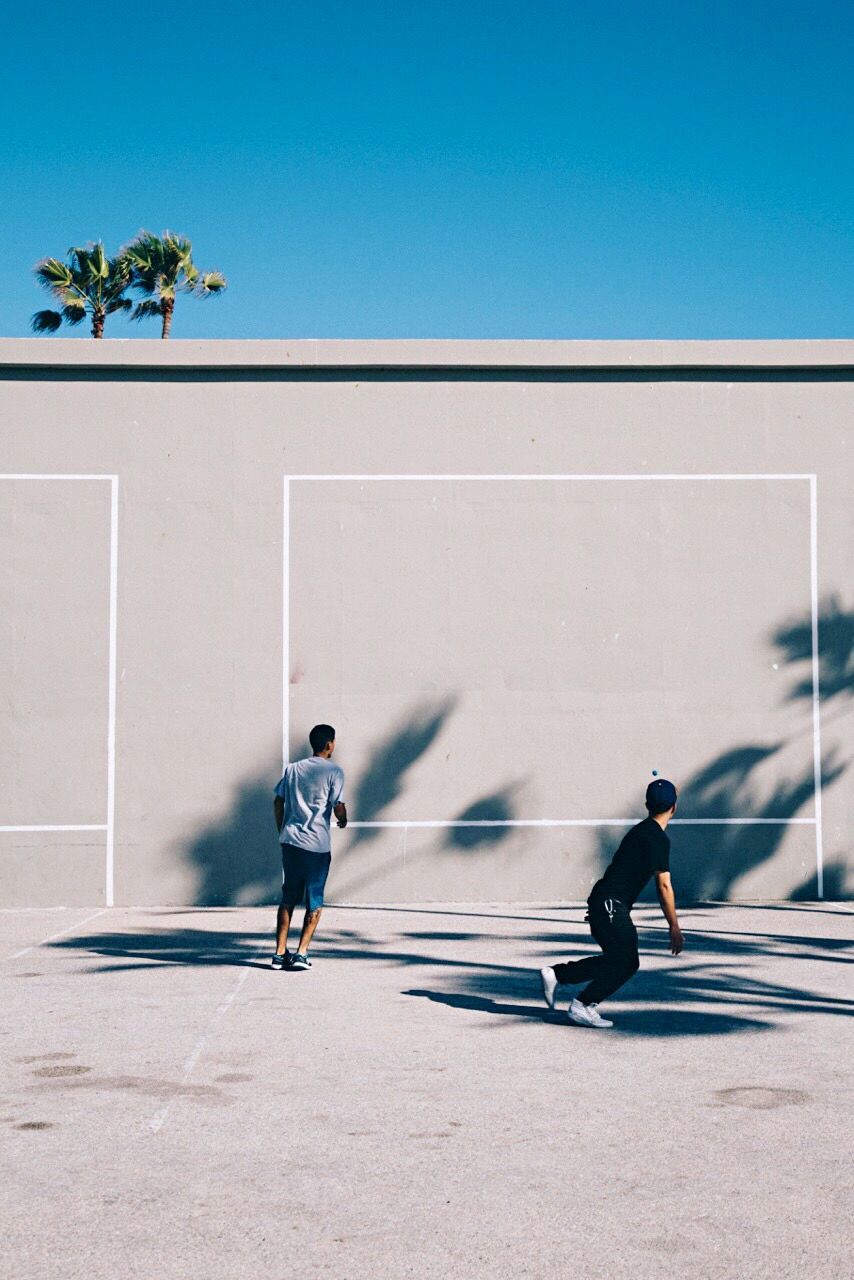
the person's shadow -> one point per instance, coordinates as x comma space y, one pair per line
636, 1022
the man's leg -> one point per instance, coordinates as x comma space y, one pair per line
309, 925
283, 924
612, 927
574, 972
317, 869
293, 891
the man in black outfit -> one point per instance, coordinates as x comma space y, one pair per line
644, 852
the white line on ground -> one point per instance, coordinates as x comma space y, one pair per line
16, 955
159, 1119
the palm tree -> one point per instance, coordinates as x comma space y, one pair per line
89, 284
161, 267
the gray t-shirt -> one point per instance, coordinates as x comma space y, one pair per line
310, 789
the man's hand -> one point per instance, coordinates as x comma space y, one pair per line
341, 814
677, 940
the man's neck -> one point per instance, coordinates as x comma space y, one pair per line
662, 819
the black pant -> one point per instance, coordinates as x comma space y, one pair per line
612, 927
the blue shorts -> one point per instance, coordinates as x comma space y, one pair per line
304, 876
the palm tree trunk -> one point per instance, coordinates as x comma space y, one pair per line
98, 318
168, 307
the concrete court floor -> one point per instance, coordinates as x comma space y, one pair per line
408, 1108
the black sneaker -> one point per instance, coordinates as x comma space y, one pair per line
300, 961
283, 962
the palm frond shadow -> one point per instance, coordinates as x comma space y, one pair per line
709, 859
713, 990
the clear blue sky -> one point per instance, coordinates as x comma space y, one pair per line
445, 168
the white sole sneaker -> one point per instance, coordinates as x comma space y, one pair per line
550, 985
587, 1015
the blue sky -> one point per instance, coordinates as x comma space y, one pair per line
445, 168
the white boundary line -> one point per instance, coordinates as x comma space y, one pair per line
102, 475
157, 1121
286, 622
109, 825
581, 822
109, 870
789, 475
16, 955
51, 826
816, 693
586, 822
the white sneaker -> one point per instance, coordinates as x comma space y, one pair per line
586, 1015
550, 985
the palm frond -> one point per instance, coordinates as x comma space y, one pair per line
178, 246
117, 280
46, 322
82, 266
52, 274
98, 262
74, 312
211, 282
147, 309
118, 304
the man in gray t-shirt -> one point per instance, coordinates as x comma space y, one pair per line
309, 792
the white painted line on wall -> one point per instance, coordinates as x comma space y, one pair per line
158, 1120
585, 822
107, 826
80, 826
54, 476
109, 889
286, 622
643, 475
816, 691
53, 936
575, 822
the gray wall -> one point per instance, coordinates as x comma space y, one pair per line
506, 650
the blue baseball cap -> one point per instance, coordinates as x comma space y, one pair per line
660, 794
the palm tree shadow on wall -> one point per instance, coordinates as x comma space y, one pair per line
383, 779
235, 857
710, 859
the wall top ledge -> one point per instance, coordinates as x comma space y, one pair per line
497, 354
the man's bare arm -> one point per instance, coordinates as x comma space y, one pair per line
279, 811
340, 812
667, 898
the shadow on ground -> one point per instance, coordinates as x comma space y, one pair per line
711, 990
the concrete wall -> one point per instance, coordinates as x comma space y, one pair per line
519, 646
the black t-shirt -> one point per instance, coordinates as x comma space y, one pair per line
643, 851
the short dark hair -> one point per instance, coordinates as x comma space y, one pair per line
321, 736
655, 809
